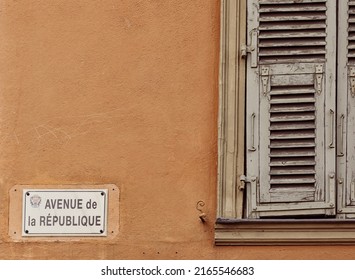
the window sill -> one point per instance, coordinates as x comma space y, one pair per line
284, 232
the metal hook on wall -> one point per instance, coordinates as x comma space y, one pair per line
202, 215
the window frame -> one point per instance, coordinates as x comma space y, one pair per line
230, 227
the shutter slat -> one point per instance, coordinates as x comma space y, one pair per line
288, 135
287, 52
288, 118
292, 100
291, 8
266, 2
290, 43
293, 153
293, 170
290, 34
292, 126
289, 91
284, 181
292, 17
290, 59
284, 108
291, 144
293, 163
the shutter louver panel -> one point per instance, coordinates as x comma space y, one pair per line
351, 32
289, 145
292, 97
292, 31
292, 159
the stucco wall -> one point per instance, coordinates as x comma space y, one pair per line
122, 92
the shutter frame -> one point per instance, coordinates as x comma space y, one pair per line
263, 198
345, 116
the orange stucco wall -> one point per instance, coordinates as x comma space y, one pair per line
122, 92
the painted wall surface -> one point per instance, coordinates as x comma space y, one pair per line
120, 92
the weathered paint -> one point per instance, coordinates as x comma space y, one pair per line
122, 92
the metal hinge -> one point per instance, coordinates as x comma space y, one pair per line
252, 185
318, 78
264, 73
332, 180
252, 49
244, 179
352, 80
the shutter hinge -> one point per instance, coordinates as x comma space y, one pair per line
264, 73
252, 191
332, 179
319, 78
252, 49
244, 179
352, 80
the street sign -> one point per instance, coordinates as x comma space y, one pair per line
64, 212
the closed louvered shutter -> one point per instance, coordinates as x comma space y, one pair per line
346, 113
291, 107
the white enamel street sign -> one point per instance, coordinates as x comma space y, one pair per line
64, 212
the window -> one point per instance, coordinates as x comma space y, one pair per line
291, 131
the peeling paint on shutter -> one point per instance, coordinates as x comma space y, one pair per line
292, 31
292, 96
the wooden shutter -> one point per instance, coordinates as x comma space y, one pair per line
346, 110
291, 108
